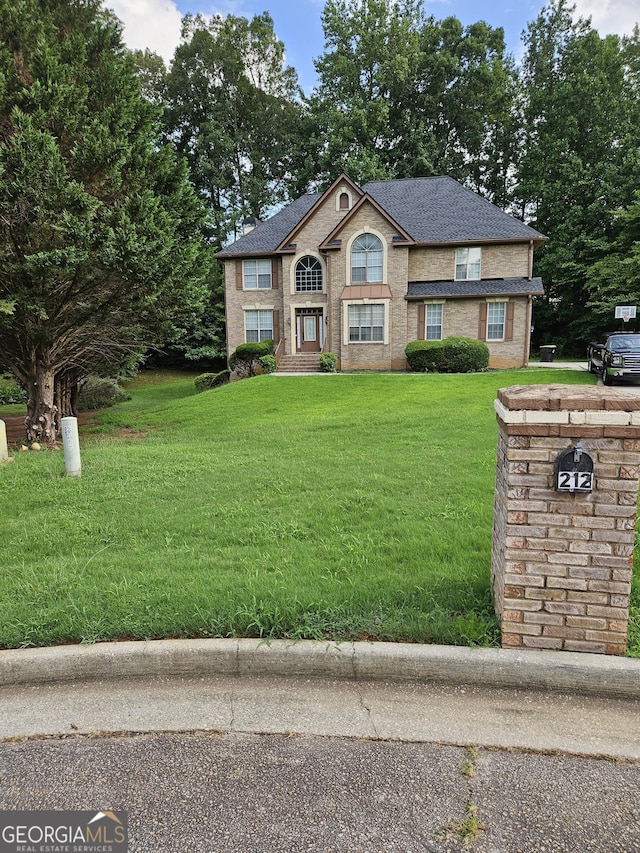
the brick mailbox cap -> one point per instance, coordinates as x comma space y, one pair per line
568, 397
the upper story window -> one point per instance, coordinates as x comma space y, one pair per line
308, 275
468, 264
344, 201
256, 275
366, 259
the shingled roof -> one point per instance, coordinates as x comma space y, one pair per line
430, 210
482, 288
440, 210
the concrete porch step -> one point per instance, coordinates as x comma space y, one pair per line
300, 363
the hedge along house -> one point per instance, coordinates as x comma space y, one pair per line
361, 271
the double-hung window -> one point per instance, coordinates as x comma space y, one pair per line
496, 315
433, 322
366, 323
468, 264
366, 259
258, 326
257, 275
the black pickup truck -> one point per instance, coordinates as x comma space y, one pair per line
617, 358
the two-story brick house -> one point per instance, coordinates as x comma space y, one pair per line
361, 271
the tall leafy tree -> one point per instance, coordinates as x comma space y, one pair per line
371, 48
615, 279
101, 249
232, 109
455, 115
579, 164
401, 95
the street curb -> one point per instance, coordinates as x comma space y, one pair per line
573, 672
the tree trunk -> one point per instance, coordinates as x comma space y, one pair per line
41, 420
66, 396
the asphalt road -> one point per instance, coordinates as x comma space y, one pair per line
237, 746
247, 793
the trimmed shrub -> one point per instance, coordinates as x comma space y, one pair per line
94, 392
206, 381
245, 359
451, 355
11, 392
328, 362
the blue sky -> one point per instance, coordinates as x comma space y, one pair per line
156, 23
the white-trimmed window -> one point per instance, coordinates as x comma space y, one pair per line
468, 264
308, 275
366, 259
258, 326
433, 322
496, 316
366, 323
256, 275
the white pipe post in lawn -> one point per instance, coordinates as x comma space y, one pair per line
71, 447
4, 448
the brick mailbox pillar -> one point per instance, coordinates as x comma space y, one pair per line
561, 560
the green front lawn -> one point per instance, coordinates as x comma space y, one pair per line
346, 506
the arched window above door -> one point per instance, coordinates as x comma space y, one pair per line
366, 259
308, 275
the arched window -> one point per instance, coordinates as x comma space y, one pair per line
308, 275
366, 259
344, 201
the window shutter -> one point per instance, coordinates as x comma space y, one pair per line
238, 275
508, 327
422, 310
482, 323
276, 327
274, 273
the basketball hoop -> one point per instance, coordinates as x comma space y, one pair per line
625, 312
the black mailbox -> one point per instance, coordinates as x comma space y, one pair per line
574, 470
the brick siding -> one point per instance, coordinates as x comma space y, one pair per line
562, 562
460, 316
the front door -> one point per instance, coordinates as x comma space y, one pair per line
309, 329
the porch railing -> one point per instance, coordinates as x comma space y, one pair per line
279, 351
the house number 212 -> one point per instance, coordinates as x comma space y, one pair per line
572, 481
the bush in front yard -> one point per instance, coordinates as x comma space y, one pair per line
206, 381
245, 359
11, 392
328, 362
451, 355
268, 363
94, 392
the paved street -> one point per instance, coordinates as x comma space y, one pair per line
249, 793
236, 764
237, 746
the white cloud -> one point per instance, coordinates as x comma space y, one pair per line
610, 16
153, 24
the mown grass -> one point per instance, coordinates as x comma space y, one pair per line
330, 506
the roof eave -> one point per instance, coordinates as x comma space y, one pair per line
438, 244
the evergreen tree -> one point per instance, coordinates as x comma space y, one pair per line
101, 250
